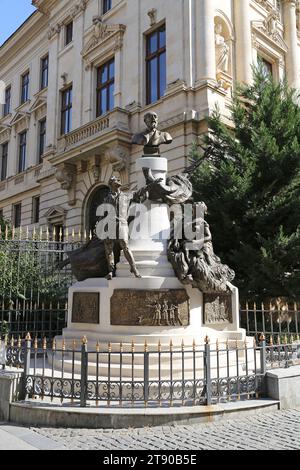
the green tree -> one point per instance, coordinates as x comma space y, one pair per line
250, 180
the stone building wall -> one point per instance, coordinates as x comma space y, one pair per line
75, 165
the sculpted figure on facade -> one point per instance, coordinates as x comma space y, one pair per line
222, 50
152, 138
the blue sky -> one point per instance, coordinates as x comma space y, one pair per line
12, 14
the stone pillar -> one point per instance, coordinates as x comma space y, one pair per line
78, 71
244, 52
53, 91
207, 59
291, 38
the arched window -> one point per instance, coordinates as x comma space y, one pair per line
95, 200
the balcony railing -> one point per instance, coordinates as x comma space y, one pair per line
115, 120
83, 133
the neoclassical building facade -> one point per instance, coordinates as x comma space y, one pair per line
79, 76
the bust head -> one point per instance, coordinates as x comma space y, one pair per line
115, 183
151, 121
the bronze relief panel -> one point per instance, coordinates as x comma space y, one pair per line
217, 309
168, 307
86, 307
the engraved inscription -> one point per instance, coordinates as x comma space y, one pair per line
217, 309
150, 307
86, 307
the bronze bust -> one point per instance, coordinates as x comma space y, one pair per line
152, 138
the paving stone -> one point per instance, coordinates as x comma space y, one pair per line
277, 430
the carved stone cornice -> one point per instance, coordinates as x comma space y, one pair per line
102, 35
20, 121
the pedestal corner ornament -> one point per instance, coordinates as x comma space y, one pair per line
170, 307
86, 308
217, 309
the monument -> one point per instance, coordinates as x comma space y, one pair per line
152, 283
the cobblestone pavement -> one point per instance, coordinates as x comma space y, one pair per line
269, 431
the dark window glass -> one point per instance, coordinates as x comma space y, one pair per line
35, 210
17, 208
156, 64
266, 66
1, 214
22, 152
42, 139
106, 6
4, 155
25, 88
66, 111
44, 72
7, 101
105, 87
69, 33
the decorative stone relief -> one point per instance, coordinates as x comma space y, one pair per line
102, 32
53, 31
5, 132
75, 11
119, 157
269, 28
153, 16
66, 176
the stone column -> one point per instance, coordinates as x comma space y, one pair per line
244, 51
53, 91
78, 72
291, 38
207, 59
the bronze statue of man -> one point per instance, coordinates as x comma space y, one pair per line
152, 138
120, 201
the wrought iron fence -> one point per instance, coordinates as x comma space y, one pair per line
125, 375
278, 319
35, 281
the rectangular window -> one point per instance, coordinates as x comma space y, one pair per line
4, 155
106, 6
7, 101
44, 72
25, 88
42, 139
66, 111
1, 214
267, 67
69, 33
35, 210
105, 87
156, 64
17, 208
22, 152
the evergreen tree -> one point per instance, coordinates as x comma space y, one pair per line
250, 181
